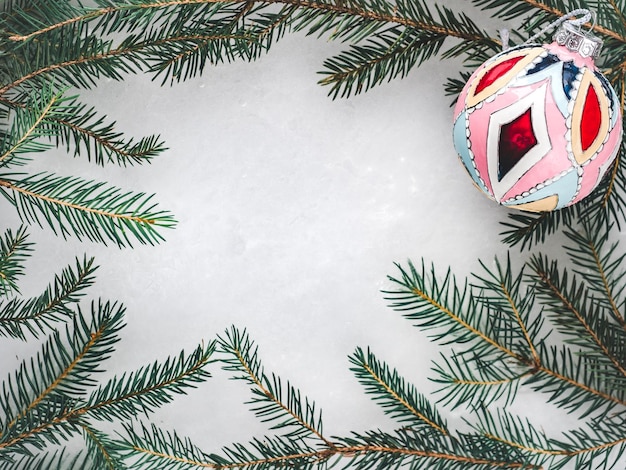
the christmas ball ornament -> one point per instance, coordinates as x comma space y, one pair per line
538, 126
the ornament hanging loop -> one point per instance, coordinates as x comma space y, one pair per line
570, 34
578, 22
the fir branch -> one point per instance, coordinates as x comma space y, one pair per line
90, 343
479, 386
414, 15
149, 387
153, 448
506, 10
269, 453
539, 10
399, 399
54, 460
519, 434
29, 126
36, 315
527, 230
466, 320
116, 12
186, 56
90, 209
385, 56
393, 451
593, 446
431, 304
14, 250
135, 13
392, 48
51, 424
573, 386
180, 54
437, 304
103, 451
363, 452
63, 367
515, 433
87, 58
118, 398
21, 16
598, 265
298, 419
555, 12
511, 308
79, 127
588, 326
617, 11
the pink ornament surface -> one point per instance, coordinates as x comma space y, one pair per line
537, 127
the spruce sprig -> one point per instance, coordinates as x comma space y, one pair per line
36, 315
576, 315
37, 114
145, 390
55, 460
272, 400
28, 128
153, 448
86, 209
598, 263
62, 370
399, 399
423, 442
70, 205
56, 397
103, 450
14, 250
80, 128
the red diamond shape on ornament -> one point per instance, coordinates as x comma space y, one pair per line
517, 140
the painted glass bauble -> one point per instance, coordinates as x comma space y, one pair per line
538, 126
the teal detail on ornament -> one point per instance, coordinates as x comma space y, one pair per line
565, 188
462, 148
614, 103
554, 74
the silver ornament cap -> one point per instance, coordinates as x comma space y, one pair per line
575, 40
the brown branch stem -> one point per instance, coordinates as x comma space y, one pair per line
60, 202
329, 7
257, 381
607, 288
556, 12
95, 336
533, 350
581, 319
30, 130
347, 452
404, 403
517, 357
71, 415
47, 308
560, 452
